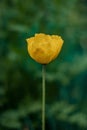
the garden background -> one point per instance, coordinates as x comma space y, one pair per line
20, 76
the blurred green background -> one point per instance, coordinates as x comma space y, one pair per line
20, 76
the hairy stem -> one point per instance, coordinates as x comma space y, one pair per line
43, 97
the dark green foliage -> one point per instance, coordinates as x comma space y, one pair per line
20, 76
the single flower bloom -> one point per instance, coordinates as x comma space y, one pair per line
44, 48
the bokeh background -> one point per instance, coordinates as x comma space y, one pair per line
20, 76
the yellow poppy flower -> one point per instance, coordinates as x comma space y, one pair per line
44, 48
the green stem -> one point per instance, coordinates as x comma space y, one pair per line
43, 97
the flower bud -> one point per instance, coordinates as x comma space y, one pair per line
44, 48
